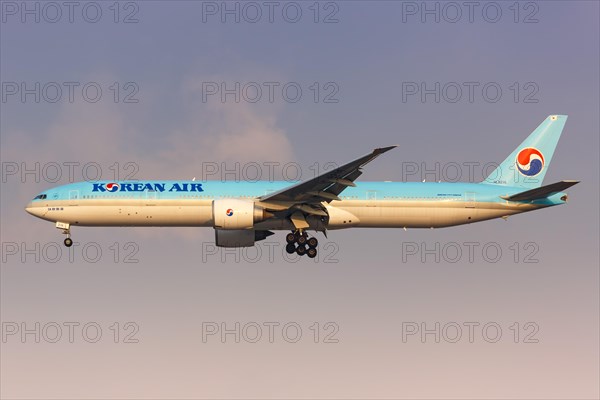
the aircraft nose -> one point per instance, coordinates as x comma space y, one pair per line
35, 211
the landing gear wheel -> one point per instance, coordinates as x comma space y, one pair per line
311, 252
68, 242
312, 242
302, 240
290, 248
290, 238
301, 250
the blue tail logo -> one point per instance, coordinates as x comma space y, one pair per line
530, 161
527, 165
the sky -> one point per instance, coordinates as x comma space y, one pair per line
228, 90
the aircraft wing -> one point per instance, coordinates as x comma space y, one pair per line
327, 186
541, 192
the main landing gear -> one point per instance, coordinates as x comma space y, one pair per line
298, 242
66, 228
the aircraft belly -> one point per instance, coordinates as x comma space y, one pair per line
383, 214
413, 217
151, 215
425, 216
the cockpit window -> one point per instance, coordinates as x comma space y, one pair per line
40, 197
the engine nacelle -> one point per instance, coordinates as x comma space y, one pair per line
239, 237
237, 214
234, 238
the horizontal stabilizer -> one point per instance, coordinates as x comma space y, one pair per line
541, 192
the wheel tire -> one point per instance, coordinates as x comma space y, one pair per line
290, 238
290, 248
301, 250
311, 253
68, 242
313, 242
301, 240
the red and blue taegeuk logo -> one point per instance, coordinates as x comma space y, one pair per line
112, 187
229, 212
530, 161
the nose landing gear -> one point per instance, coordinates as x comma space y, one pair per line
298, 242
66, 228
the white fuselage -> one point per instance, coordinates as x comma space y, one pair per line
343, 214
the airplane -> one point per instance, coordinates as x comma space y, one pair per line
243, 213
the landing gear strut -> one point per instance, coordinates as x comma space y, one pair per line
298, 242
66, 228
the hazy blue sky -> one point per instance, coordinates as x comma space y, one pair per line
161, 115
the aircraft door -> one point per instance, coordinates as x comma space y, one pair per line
470, 200
73, 197
371, 195
151, 197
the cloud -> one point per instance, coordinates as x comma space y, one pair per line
227, 133
105, 133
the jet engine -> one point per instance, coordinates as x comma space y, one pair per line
237, 214
239, 237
